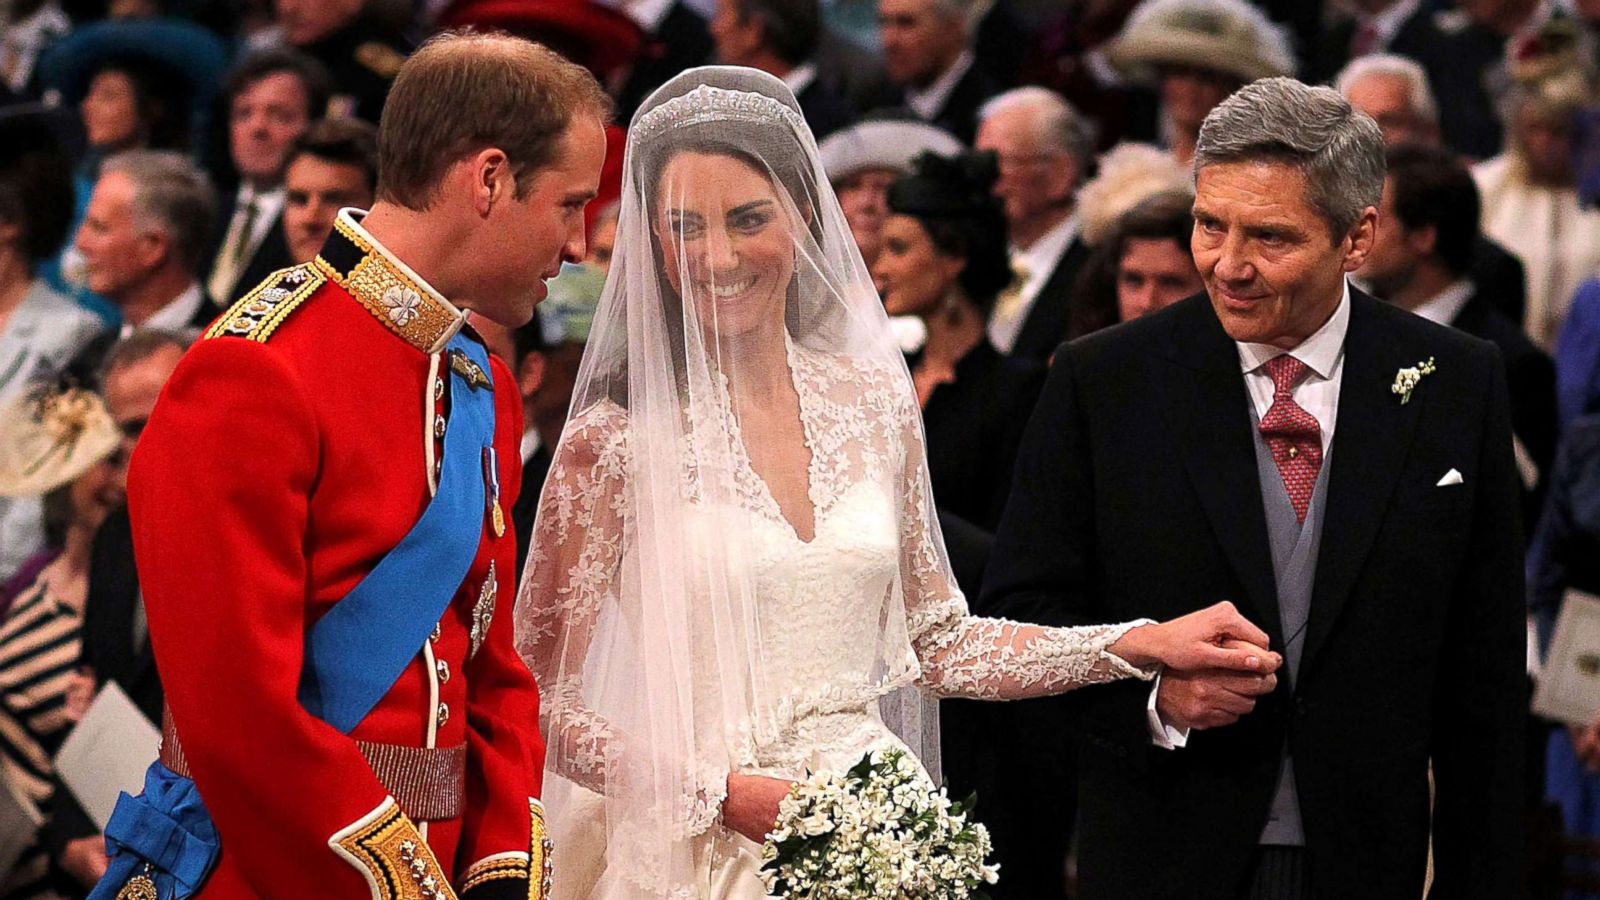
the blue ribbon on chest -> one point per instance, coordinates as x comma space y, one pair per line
354, 653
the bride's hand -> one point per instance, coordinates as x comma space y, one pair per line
751, 807
1216, 637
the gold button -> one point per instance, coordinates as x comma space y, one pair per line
444, 714
443, 668
436, 633
438, 427
438, 389
1293, 452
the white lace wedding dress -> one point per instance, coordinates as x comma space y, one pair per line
823, 605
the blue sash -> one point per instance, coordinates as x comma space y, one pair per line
354, 653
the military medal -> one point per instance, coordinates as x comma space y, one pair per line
139, 887
497, 519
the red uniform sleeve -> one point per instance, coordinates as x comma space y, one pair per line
502, 839
219, 491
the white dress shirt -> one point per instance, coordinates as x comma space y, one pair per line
1386, 25
1317, 394
175, 316
927, 103
226, 272
1039, 261
1444, 306
530, 444
800, 77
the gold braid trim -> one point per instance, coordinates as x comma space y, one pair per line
495, 868
394, 857
259, 313
539, 852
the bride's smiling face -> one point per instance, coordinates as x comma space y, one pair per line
726, 242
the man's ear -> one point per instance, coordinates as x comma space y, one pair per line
490, 179
531, 373
1360, 237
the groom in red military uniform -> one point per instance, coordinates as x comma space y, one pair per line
320, 507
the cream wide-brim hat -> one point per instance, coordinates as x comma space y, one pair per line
50, 440
1226, 36
890, 144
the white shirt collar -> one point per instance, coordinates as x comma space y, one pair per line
927, 102
178, 312
1443, 307
1387, 23
1320, 352
800, 77
530, 444
1040, 258
647, 13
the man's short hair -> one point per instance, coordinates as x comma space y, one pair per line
172, 194
1433, 189
1059, 126
1419, 96
345, 142
789, 28
138, 346
461, 93
1338, 149
311, 74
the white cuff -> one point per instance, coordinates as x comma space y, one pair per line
1161, 734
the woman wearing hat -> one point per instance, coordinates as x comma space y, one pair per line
1197, 52
61, 444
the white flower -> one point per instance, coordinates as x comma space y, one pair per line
402, 303
1406, 380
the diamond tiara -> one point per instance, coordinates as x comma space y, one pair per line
713, 104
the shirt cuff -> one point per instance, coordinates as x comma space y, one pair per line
1161, 734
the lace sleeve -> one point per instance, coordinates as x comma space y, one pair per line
962, 655
573, 561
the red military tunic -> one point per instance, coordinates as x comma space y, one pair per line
293, 448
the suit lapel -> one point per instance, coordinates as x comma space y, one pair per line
1045, 325
1206, 405
1370, 439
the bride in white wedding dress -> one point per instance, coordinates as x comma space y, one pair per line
736, 573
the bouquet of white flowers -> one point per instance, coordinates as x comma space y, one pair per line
880, 831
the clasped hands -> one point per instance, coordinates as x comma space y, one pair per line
1216, 664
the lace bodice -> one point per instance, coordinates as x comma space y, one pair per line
872, 577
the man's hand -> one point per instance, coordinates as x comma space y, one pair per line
1586, 744
85, 859
1209, 698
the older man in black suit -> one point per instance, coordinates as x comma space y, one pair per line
1341, 469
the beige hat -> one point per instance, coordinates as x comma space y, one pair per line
49, 438
1227, 36
883, 144
1128, 174
1553, 67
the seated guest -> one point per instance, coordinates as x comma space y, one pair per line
62, 444
1420, 260
1142, 266
1045, 150
1368, 28
1577, 357
332, 166
863, 160
1394, 91
602, 238
355, 43
1197, 52
780, 37
927, 53
116, 638
144, 237
40, 330
1530, 197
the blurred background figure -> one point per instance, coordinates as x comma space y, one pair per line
59, 443
272, 96
602, 238
547, 352
28, 27
1362, 28
1125, 176
1530, 197
1420, 260
40, 329
332, 166
927, 53
1196, 53
1044, 150
863, 160
1469, 65
780, 37
360, 50
1141, 265
144, 236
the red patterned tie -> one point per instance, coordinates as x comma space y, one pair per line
1292, 434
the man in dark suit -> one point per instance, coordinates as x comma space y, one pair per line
676, 38
1343, 471
780, 37
1421, 262
926, 50
116, 639
273, 96
1044, 149
1402, 27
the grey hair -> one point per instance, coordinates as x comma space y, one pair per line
1058, 125
138, 346
1387, 65
173, 195
967, 11
1338, 148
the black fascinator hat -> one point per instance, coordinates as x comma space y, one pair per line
953, 198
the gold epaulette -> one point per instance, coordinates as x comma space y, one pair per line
259, 313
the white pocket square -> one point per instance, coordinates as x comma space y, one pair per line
1451, 477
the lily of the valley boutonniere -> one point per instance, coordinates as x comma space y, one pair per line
1406, 379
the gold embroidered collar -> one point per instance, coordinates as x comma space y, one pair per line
386, 287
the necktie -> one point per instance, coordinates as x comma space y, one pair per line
233, 256
1364, 41
1292, 434
1008, 306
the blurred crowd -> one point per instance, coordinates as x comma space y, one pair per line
1015, 173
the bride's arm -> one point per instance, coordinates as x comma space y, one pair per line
573, 561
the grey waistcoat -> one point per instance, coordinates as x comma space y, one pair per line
1294, 569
